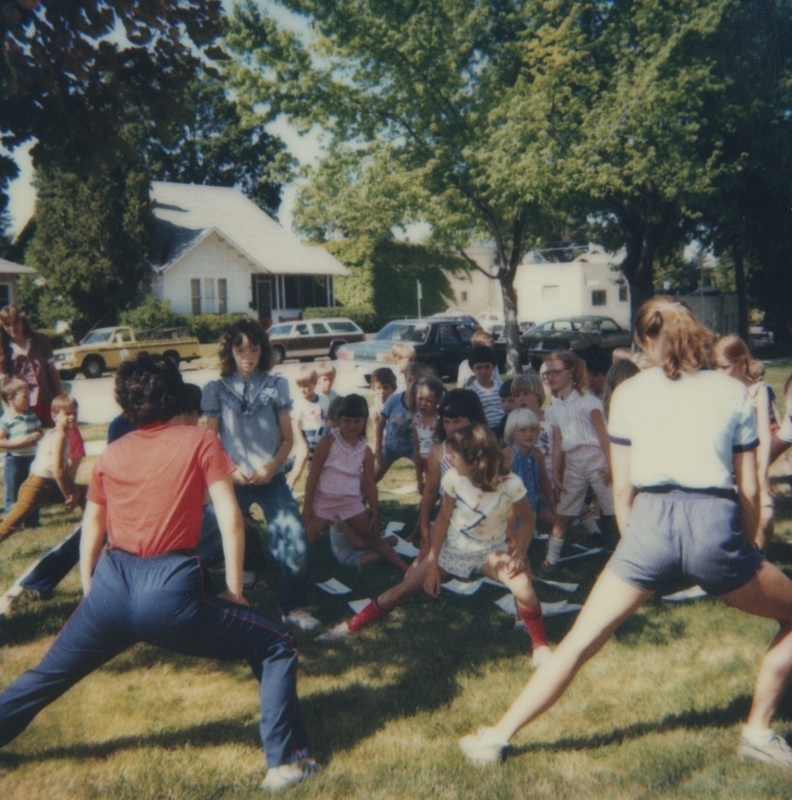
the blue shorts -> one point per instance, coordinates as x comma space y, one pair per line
682, 533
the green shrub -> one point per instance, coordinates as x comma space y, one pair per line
152, 313
210, 327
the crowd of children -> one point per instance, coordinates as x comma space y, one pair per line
492, 458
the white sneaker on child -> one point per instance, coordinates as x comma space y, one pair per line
283, 777
482, 747
773, 750
334, 634
302, 619
9, 600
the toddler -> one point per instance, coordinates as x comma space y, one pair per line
20, 429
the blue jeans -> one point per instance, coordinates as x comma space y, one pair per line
54, 566
17, 468
286, 537
161, 600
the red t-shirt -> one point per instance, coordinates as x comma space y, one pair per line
153, 481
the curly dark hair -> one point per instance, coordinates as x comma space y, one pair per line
149, 389
256, 335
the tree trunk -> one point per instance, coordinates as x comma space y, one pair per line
511, 329
742, 297
638, 265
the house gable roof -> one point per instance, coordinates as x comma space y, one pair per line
10, 268
184, 214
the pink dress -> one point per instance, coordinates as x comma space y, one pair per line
338, 492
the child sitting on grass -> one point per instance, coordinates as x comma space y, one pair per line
20, 429
485, 524
51, 479
340, 483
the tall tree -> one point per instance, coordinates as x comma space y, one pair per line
90, 244
216, 146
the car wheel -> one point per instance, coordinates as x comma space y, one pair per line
93, 367
278, 354
173, 356
334, 349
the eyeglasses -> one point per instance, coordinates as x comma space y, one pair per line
548, 372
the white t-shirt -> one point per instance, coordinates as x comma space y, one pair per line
682, 432
478, 521
573, 418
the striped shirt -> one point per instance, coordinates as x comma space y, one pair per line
573, 418
18, 426
491, 401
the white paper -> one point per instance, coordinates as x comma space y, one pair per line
462, 587
693, 593
596, 551
541, 537
508, 604
564, 587
411, 488
358, 605
404, 548
333, 586
393, 527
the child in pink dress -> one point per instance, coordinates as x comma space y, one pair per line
340, 484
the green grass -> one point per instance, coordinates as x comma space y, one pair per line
656, 715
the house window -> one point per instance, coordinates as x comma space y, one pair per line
303, 291
5, 295
599, 297
622, 293
209, 295
195, 295
222, 296
464, 297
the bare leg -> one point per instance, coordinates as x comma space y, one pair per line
611, 601
403, 592
768, 594
314, 527
360, 526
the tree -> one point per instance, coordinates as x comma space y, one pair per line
215, 146
89, 244
67, 81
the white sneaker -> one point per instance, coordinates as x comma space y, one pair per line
9, 600
340, 631
482, 747
300, 618
286, 775
773, 751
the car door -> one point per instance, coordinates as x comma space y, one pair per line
320, 339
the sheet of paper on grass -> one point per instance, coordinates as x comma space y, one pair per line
693, 593
393, 527
333, 586
541, 537
564, 587
404, 548
595, 552
507, 604
411, 488
358, 605
462, 587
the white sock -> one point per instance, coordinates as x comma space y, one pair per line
554, 547
758, 735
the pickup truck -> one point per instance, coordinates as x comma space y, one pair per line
104, 349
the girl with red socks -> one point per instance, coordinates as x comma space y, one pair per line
485, 525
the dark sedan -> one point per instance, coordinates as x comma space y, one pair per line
584, 335
440, 343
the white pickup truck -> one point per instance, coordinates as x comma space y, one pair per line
104, 349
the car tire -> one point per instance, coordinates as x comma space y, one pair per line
93, 367
334, 349
173, 356
278, 354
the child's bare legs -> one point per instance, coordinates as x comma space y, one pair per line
530, 611
546, 517
411, 585
314, 527
766, 529
611, 601
361, 537
556, 542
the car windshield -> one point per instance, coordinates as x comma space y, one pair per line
416, 333
343, 327
97, 337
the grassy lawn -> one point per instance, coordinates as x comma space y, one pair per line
656, 715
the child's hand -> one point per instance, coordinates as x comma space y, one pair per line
432, 580
71, 501
239, 478
516, 565
263, 475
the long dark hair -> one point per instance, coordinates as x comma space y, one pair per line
233, 336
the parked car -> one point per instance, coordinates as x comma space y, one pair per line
440, 342
581, 334
306, 339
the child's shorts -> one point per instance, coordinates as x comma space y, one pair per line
683, 533
395, 452
461, 564
346, 555
583, 467
337, 506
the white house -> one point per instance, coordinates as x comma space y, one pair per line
587, 285
9, 277
215, 251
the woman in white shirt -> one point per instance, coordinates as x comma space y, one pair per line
678, 431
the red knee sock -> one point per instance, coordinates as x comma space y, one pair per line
371, 613
532, 617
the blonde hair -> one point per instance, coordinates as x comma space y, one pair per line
685, 344
482, 339
528, 382
306, 376
325, 368
519, 419
479, 449
63, 402
577, 366
11, 387
403, 350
